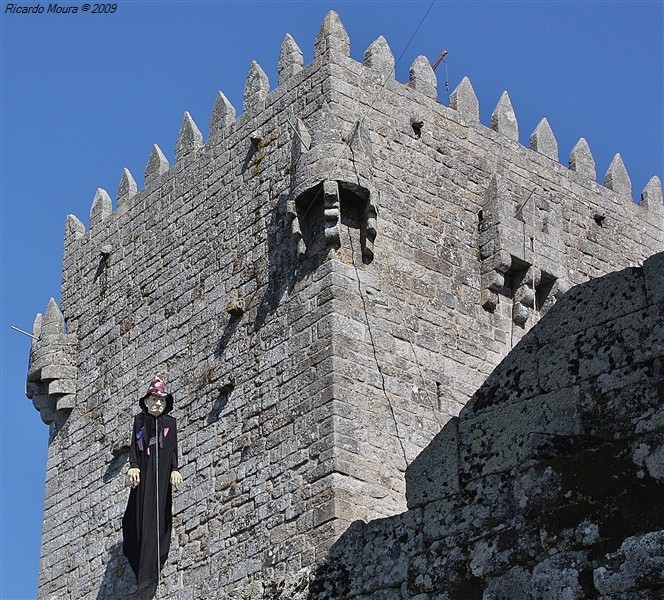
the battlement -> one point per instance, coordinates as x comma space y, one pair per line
327, 279
332, 47
332, 141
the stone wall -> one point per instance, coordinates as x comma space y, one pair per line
326, 281
550, 483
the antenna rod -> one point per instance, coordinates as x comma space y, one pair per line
34, 337
518, 210
439, 59
296, 132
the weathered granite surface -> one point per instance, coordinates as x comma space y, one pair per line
327, 279
550, 483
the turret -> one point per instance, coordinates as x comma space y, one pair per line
52, 371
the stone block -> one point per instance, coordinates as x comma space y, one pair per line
559, 364
639, 563
593, 303
515, 380
653, 275
434, 474
624, 401
62, 386
507, 436
627, 340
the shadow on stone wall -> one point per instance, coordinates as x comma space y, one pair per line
116, 465
119, 581
284, 269
218, 408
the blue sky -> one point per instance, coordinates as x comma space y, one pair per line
85, 95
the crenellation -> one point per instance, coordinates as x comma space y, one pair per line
126, 190
52, 373
332, 38
543, 141
464, 101
157, 165
422, 78
74, 229
291, 59
503, 119
101, 209
651, 197
223, 116
379, 56
256, 89
36, 326
581, 160
617, 179
189, 141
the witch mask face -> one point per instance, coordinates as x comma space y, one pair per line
155, 405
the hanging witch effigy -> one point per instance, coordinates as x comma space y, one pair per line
153, 473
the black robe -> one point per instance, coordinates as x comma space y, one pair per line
142, 517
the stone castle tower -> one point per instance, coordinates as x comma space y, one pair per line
326, 281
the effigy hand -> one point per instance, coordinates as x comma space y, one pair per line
134, 477
176, 479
